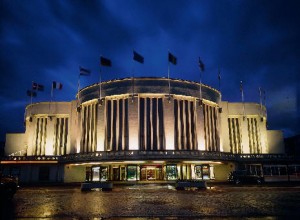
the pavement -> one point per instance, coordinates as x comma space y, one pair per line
155, 201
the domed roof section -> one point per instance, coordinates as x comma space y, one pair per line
144, 85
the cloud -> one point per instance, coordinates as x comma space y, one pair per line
255, 41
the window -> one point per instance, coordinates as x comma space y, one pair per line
132, 172
171, 172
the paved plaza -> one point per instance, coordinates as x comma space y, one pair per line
154, 202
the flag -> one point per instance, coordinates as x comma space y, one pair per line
172, 59
105, 62
137, 57
56, 85
84, 72
201, 65
38, 87
31, 93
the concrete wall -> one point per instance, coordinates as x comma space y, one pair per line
29, 173
222, 171
50, 111
133, 125
275, 140
74, 173
186, 90
242, 111
15, 144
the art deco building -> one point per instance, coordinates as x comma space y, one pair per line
142, 129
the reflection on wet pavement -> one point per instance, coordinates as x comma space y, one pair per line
152, 201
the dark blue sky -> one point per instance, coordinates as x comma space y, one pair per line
255, 41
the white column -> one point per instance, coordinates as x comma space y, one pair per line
200, 126
118, 124
179, 126
184, 125
133, 123
151, 123
123, 123
111, 125
169, 123
101, 124
157, 126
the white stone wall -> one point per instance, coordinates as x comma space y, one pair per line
133, 125
48, 111
242, 111
269, 141
15, 144
275, 140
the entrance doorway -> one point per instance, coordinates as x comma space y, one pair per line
203, 172
151, 172
99, 173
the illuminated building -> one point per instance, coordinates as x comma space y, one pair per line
145, 129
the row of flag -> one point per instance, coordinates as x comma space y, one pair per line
103, 62
136, 57
39, 87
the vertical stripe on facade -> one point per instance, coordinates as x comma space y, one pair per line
88, 141
253, 134
116, 124
211, 128
151, 124
235, 138
60, 136
40, 136
184, 125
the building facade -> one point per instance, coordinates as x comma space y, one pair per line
142, 129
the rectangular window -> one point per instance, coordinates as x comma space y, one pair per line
171, 172
132, 172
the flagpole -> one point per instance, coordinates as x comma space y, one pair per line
200, 87
132, 77
78, 87
169, 98
200, 95
31, 97
265, 104
51, 91
100, 87
260, 99
219, 78
242, 93
31, 93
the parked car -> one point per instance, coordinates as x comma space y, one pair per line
8, 186
242, 176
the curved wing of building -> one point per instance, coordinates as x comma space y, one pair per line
142, 129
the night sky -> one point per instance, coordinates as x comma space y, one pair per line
255, 41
